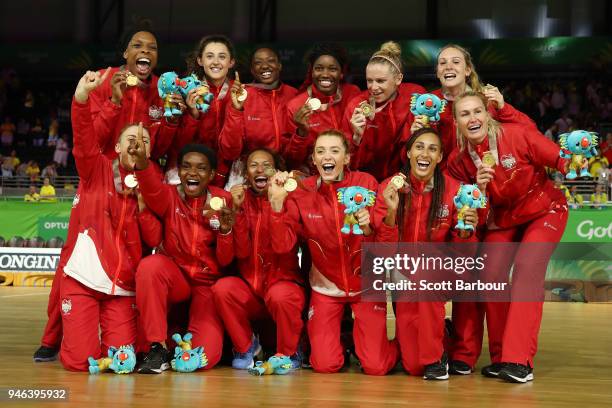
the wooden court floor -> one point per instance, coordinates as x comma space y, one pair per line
573, 369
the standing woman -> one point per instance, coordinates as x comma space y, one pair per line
330, 96
525, 208
270, 285
421, 211
261, 119
377, 138
211, 62
315, 215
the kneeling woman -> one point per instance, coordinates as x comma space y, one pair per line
314, 214
421, 211
526, 208
270, 284
194, 247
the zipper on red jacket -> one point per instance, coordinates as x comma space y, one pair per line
217, 112
133, 110
418, 219
256, 249
194, 236
340, 244
117, 246
393, 130
333, 114
276, 129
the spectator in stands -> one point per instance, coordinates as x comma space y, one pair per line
33, 171
28, 106
598, 164
557, 100
9, 164
575, 200
23, 131
50, 171
599, 198
53, 133
47, 192
16, 242
36, 242
37, 133
8, 130
564, 123
552, 132
61, 152
558, 183
32, 196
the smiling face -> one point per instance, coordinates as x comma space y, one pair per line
141, 54
472, 119
424, 156
216, 61
330, 156
326, 74
195, 173
382, 82
265, 66
257, 163
452, 70
127, 138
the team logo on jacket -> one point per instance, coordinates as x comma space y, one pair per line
508, 161
75, 200
378, 308
155, 113
443, 212
66, 306
249, 117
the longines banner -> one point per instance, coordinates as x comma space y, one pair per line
29, 259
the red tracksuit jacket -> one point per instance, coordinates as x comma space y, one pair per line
383, 143
317, 217
414, 225
139, 104
107, 247
258, 264
261, 123
521, 190
448, 130
299, 148
188, 238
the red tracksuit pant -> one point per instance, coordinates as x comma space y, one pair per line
52, 336
161, 284
93, 321
419, 330
468, 322
513, 327
238, 305
376, 353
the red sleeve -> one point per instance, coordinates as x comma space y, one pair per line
163, 134
509, 114
242, 236
150, 228
185, 134
284, 227
104, 113
456, 167
233, 134
384, 233
86, 150
157, 195
543, 151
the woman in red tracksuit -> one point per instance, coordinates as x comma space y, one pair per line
327, 63
422, 211
211, 62
377, 141
260, 120
97, 288
525, 208
270, 284
114, 104
314, 214
197, 242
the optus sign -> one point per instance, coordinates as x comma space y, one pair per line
50, 227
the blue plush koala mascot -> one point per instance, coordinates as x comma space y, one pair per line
204, 98
169, 83
579, 146
468, 196
185, 358
354, 199
121, 360
279, 365
428, 105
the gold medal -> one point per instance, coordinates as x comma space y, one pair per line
130, 181
398, 181
202, 90
269, 172
242, 96
290, 185
314, 103
488, 159
216, 203
131, 80
367, 110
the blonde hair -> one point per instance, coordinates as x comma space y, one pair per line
390, 53
472, 80
338, 134
493, 127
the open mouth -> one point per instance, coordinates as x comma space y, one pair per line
215, 69
266, 75
192, 184
449, 76
328, 168
474, 128
325, 83
261, 182
423, 164
143, 66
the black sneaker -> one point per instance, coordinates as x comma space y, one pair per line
458, 367
516, 373
492, 371
44, 354
156, 360
437, 370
